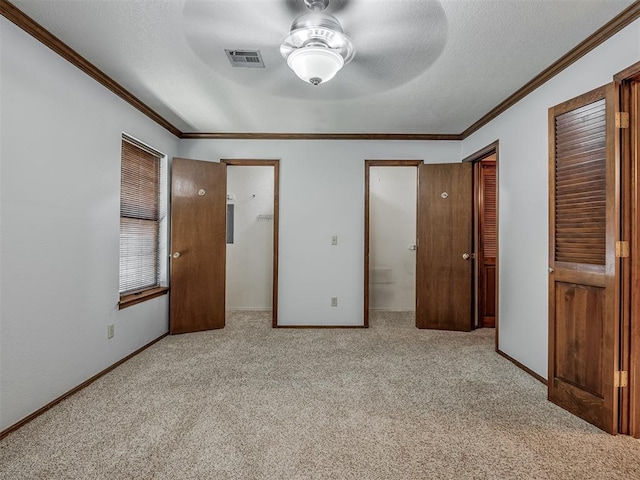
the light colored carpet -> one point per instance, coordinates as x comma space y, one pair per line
250, 402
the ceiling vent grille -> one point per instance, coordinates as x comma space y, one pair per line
245, 58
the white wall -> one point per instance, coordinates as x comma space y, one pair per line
523, 194
59, 227
392, 229
321, 195
250, 256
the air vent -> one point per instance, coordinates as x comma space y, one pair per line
245, 58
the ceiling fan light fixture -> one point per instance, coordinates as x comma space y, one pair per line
316, 48
315, 65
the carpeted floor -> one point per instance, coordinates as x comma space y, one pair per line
251, 402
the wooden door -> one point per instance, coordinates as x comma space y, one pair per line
583, 269
444, 264
487, 241
198, 243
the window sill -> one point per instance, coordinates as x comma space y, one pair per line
139, 297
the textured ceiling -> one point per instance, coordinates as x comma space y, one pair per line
421, 66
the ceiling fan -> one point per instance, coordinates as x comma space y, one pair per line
386, 43
316, 48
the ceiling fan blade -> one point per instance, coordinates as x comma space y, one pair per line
384, 22
238, 19
212, 27
379, 30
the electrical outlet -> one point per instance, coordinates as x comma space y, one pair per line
110, 329
334, 301
334, 240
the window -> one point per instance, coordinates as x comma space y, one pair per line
141, 221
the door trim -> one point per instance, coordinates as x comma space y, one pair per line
492, 148
367, 166
629, 402
241, 162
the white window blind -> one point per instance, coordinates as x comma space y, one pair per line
139, 219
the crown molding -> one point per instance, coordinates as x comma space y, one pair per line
16, 16
321, 136
625, 18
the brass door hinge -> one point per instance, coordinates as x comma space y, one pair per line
620, 379
622, 249
622, 120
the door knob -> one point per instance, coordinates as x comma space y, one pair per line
550, 270
466, 256
176, 255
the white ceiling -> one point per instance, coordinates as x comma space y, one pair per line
421, 66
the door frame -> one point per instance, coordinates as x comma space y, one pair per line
367, 207
479, 221
476, 157
275, 163
629, 401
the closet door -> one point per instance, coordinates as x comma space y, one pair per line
487, 241
583, 268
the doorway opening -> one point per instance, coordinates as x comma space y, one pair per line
608, 360
252, 236
485, 214
486, 234
392, 224
390, 237
443, 239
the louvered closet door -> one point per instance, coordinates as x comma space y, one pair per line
583, 292
487, 242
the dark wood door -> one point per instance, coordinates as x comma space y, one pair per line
198, 243
583, 268
487, 241
444, 264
